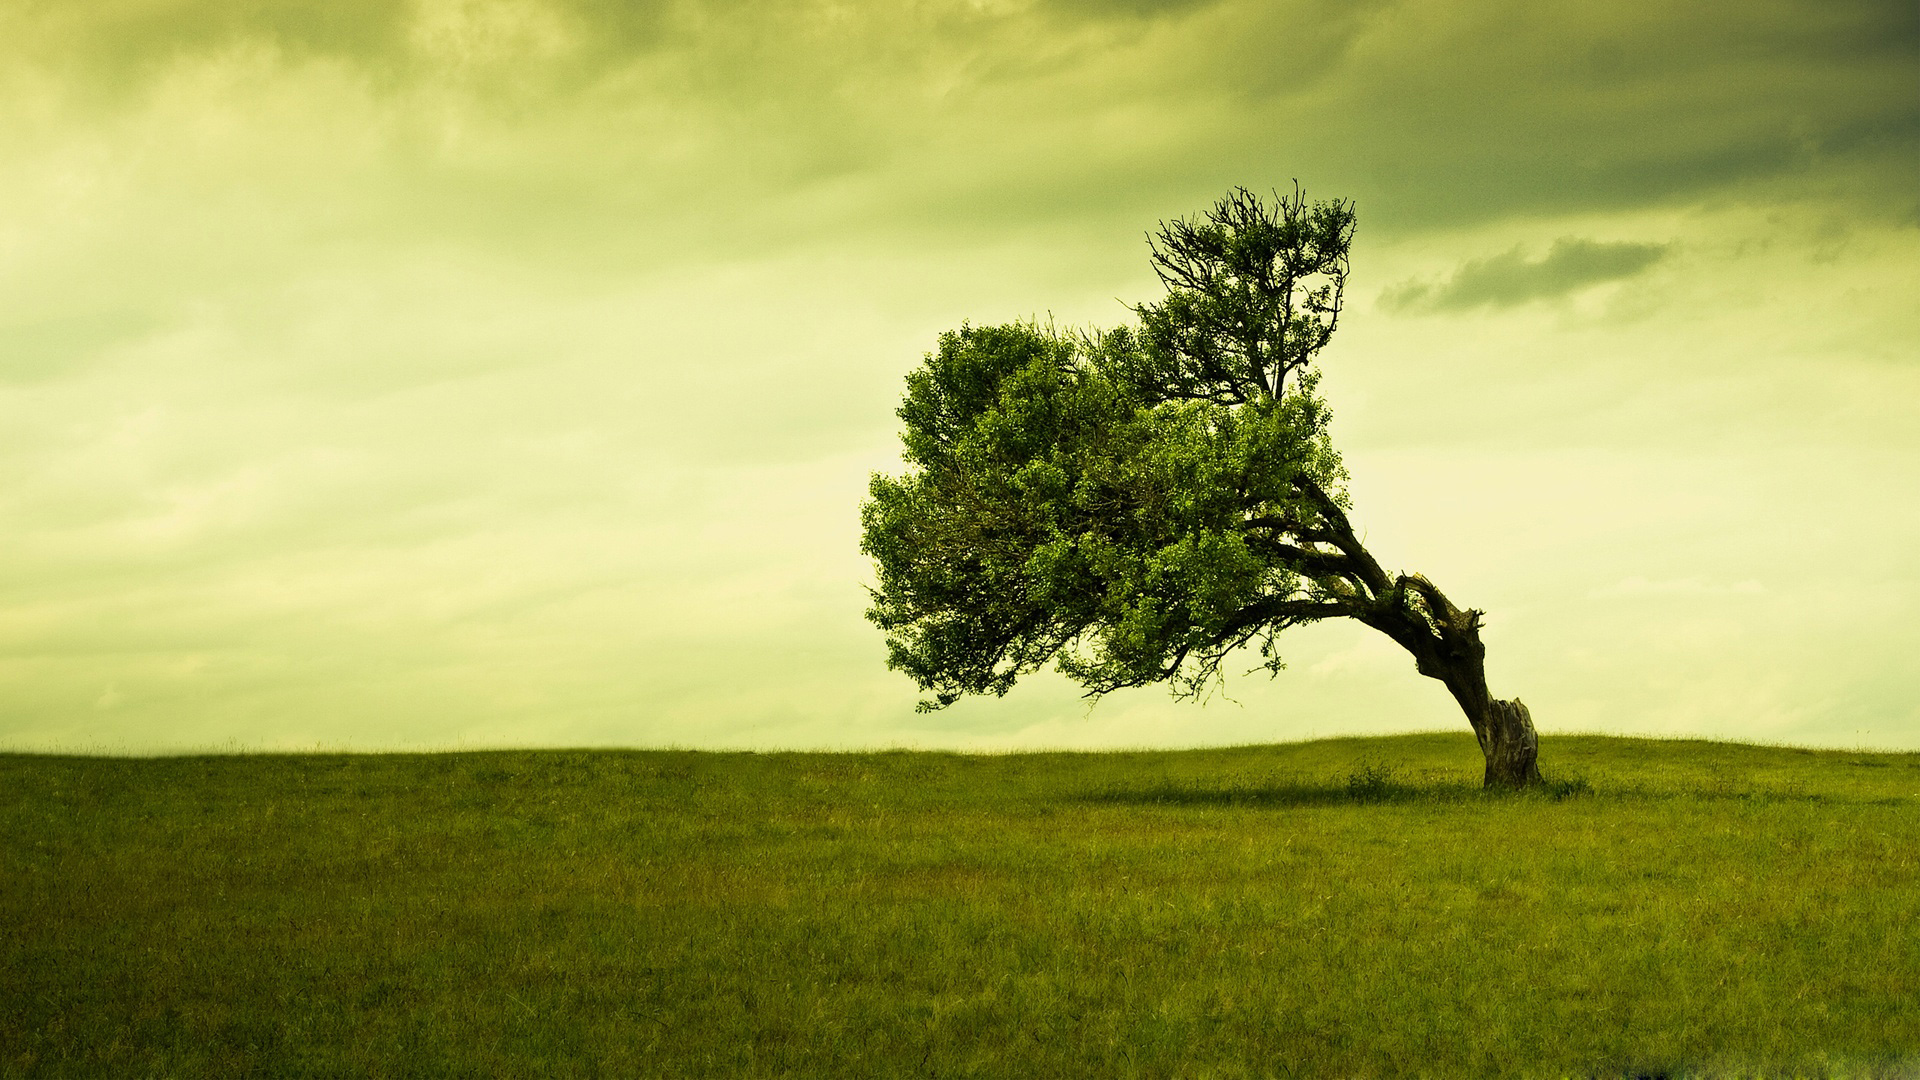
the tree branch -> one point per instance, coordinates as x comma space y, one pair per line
1288, 612
1314, 563
1342, 535
1295, 529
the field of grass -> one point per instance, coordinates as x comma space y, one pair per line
1341, 908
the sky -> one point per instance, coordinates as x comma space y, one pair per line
478, 373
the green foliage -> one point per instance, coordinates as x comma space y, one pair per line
1704, 910
1132, 504
1053, 512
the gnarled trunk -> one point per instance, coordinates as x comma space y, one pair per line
1511, 748
1445, 643
1504, 728
1444, 639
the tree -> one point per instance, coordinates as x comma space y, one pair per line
1138, 504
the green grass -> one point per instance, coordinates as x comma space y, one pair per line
1338, 908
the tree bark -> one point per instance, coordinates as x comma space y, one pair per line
1445, 643
1510, 745
1504, 727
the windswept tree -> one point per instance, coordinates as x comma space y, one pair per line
1139, 504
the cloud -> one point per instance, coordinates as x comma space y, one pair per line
40, 349
1511, 278
954, 116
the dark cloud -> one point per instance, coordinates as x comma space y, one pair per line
1511, 278
1500, 110
121, 45
1128, 9
962, 116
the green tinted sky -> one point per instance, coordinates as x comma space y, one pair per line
480, 373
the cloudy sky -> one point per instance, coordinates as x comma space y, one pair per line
467, 373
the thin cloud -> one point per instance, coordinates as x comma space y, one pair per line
1510, 279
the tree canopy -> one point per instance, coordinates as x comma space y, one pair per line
1137, 504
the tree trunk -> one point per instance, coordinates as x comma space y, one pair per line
1511, 748
1445, 643
1443, 638
1504, 728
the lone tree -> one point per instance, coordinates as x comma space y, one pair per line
1139, 503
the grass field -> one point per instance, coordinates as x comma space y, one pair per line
1342, 908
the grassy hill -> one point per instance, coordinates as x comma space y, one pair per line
1349, 907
